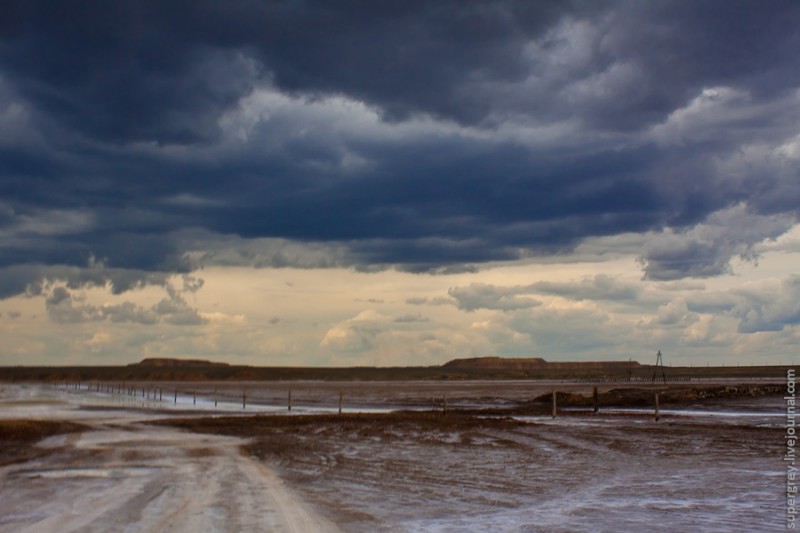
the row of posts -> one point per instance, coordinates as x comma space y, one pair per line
146, 393
132, 391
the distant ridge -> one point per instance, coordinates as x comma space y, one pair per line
533, 363
170, 362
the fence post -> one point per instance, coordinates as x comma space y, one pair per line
340, 402
656, 407
554, 403
594, 398
289, 400
244, 399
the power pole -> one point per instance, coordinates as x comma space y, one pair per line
659, 364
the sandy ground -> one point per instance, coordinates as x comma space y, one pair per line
127, 476
714, 466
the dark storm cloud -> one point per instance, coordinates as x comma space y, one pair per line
424, 136
35, 280
706, 249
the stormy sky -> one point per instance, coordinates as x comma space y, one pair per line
366, 182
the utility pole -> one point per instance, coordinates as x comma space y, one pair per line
659, 364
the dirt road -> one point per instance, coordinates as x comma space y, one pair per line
126, 476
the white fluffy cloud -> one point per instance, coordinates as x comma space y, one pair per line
358, 334
485, 296
769, 306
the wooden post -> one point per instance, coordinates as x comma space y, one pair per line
289, 400
340, 402
215, 397
176, 396
594, 398
244, 399
554, 403
160, 394
444, 405
656, 407
194, 397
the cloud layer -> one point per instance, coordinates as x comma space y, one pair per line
144, 142
427, 136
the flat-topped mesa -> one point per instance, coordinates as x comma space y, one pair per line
592, 364
529, 363
170, 362
521, 363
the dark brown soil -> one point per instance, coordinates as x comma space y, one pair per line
672, 395
18, 436
366, 424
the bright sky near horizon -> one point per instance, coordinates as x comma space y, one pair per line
367, 183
